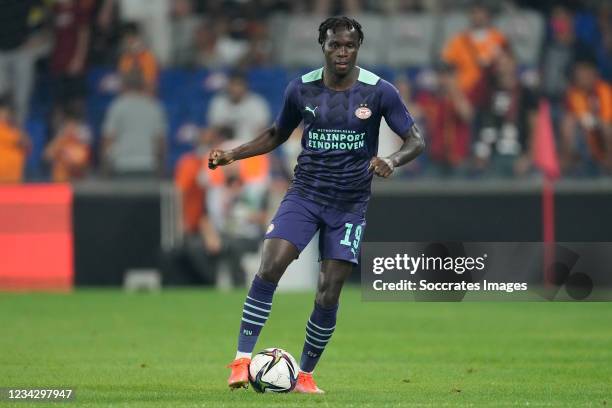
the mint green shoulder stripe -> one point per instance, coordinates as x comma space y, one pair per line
313, 75
367, 77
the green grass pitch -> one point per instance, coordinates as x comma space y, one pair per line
170, 350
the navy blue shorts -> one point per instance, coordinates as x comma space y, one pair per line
298, 219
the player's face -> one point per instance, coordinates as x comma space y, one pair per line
340, 49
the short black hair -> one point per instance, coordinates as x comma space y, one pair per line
584, 56
334, 23
130, 28
482, 5
237, 75
74, 110
6, 102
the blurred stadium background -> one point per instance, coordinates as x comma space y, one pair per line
108, 108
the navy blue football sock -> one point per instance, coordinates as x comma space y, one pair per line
255, 313
319, 330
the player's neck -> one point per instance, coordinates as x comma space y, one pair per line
340, 83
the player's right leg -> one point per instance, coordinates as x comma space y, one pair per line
291, 229
277, 255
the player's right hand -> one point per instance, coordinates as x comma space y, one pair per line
219, 158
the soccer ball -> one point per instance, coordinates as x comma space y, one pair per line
273, 370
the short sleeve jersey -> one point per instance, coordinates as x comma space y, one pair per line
340, 135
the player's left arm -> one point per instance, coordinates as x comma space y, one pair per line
413, 145
398, 118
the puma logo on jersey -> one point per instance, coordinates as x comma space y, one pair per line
311, 110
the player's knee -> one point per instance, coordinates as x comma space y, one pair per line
328, 292
328, 298
271, 270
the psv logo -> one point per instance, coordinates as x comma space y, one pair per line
363, 112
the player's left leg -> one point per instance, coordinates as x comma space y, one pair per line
339, 244
322, 322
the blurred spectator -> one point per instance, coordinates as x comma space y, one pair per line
71, 32
604, 49
586, 138
244, 112
134, 132
184, 26
390, 7
136, 57
217, 47
506, 124
331, 7
604, 56
474, 50
14, 146
237, 197
17, 53
260, 47
559, 53
69, 152
447, 116
205, 43
153, 16
201, 245
106, 33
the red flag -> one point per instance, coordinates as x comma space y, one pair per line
545, 158
544, 149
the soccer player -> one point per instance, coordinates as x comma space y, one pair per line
341, 106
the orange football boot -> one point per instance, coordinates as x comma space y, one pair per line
306, 384
239, 378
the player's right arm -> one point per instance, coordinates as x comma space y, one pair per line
265, 142
269, 139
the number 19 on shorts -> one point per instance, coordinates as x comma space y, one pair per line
352, 243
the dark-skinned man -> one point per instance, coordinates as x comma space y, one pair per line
341, 106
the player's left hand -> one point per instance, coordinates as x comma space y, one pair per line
382, 166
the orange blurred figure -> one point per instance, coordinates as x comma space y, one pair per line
14, 146
475, 49
69, 152
589, 111
137, 57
